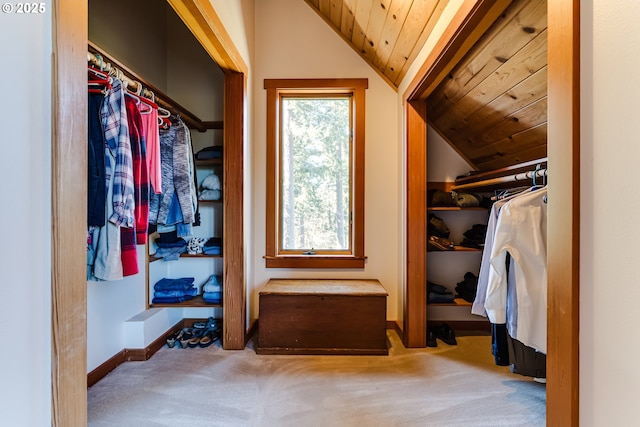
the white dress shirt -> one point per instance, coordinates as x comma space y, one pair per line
521, 230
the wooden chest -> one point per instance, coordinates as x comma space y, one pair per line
322, 317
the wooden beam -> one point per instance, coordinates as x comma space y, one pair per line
233, 325
69, 214
202, 20
469, 24
415, 314
563, 245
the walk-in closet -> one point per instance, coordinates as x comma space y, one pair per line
186, 188
484, 117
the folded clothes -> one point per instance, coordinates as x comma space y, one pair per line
211, 182
212, 297
170, 254
166, 284
207, 194
191, 292
172, 300
207, 153
213, 284
213, 246
178, 243
434, 297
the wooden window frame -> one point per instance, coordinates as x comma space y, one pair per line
273, 256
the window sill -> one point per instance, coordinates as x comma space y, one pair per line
315, 261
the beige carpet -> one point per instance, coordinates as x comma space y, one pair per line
445, 386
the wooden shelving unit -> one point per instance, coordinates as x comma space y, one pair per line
457, 302
197, 301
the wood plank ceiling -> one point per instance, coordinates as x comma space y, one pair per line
388, 34
492, 108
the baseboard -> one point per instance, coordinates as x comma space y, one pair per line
134, 354
101, 371
252, 330
393, 324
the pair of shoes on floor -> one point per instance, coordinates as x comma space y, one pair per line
203, 334
442, 332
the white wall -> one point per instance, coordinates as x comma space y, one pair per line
610, 202
238, 18
292, 41
25, 188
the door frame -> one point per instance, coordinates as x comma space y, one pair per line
68, 211
563, 142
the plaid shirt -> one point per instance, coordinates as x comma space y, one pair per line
116, 133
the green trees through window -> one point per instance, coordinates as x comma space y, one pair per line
315, 173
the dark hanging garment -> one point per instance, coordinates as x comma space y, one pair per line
526, 360
96, 184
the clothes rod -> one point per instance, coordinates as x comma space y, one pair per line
529, 175
97, 57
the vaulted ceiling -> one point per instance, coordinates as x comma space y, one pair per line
492, 107
388, 34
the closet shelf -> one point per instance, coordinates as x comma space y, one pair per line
453, 208
197, 301
185, 255
160, 97
210, 202
458, 248
210, 162
457, 302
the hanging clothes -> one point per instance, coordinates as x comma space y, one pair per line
105, 242
177, 204
151, 134
521, 230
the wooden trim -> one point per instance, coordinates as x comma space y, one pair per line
253, 329
314, 261
132, 354
467, 26
101, 371
274, 259
68, 234
394, 325
415, 314
234, 289
142, 354
563, 245
202, 20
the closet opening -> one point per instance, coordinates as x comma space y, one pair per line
562, 150
69, 285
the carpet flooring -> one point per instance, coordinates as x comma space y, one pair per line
443, 386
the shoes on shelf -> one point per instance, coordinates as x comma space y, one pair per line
446, 334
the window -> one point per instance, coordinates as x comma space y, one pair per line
315, 173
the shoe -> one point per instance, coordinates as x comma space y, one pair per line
187, 335
205, 325
210, 335
196, 336
431, 337
445, 333
175, 338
